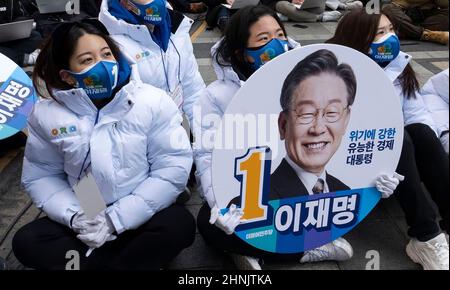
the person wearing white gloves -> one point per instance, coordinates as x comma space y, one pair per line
157, 39
435, 95
423, 160
100, 121
94, 233
159, 44
251, 31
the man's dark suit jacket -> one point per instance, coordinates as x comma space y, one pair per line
284, 183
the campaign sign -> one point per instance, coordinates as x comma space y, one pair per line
301, 144
17, 97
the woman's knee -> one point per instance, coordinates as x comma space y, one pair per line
284, 7
176, 223
421, 133
32, 239
23, 243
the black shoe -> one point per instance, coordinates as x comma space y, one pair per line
184, 197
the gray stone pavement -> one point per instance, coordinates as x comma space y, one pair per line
384, 230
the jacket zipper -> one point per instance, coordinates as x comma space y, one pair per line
89, 151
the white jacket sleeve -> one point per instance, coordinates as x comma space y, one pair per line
415, 110
435, 96
170, 157
206, 125
191, 80
44, 179
440, 84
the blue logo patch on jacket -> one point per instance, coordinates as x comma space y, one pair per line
142, 55
64, 131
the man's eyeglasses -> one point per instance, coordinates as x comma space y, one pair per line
331, 114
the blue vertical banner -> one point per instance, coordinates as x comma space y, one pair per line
17, 98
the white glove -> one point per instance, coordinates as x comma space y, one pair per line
227, 222
444, 141
387, 184
82, 225
99, 233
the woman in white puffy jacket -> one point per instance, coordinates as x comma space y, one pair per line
423, 161
251, 32
157, 39
102, 122
435, 96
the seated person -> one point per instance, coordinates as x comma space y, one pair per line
117, 130
310, 10
218, 15
423, 161
425, 20
22, 51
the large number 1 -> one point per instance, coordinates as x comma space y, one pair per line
250, 171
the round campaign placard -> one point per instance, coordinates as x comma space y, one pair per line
17, 97
301, 144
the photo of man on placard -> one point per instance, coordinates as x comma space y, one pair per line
316, 100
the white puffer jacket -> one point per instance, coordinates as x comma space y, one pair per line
435, 95
414, 109
178, 62
127, 145
214, 103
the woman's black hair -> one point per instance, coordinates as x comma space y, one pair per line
57, 50
357, 29
232, 47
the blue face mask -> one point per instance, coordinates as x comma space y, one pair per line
257, 57
153, 13
98, 80
385, 49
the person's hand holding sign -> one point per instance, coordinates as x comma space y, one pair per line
387, 184
228, 221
